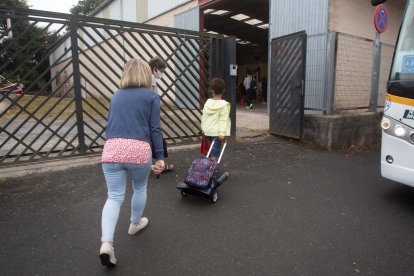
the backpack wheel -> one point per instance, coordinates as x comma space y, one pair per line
214, 196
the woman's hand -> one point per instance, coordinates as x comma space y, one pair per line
159, 166
221, 138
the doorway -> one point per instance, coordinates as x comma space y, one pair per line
248, 22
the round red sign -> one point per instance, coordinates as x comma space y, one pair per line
381, 18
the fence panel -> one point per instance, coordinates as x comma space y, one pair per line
70, 66
339, 71
354, 73
316, 74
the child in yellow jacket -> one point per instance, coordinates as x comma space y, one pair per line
215, 121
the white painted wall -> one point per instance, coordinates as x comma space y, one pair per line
129, 10
157, 7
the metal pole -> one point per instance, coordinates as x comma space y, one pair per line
330, 72
231, 87
77, 85
376, 64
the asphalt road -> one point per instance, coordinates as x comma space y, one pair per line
287, 209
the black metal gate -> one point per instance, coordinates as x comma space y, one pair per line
287, 86
70, 66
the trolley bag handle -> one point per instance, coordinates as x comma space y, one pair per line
222, 149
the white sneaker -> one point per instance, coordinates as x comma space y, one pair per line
135, 229
251, 106
107, 255
247, 107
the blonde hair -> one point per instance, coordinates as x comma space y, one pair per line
137, 73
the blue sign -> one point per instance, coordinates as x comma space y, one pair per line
409, 114
408, 64
381, 18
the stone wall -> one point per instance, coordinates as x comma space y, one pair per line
342, 131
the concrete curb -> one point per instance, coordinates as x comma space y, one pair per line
27, 169
252, 125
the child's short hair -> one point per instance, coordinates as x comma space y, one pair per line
217, 85
157, 62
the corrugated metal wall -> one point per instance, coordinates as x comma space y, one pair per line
141, 8
292, 16
287, 17
188, 20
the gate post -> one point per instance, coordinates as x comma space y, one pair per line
376, 63
231, 91
331, 43
77, 84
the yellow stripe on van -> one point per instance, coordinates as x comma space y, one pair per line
400, 100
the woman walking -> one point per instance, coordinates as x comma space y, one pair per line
133, 124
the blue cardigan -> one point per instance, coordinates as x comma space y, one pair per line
134, 113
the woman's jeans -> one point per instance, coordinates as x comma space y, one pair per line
116, 178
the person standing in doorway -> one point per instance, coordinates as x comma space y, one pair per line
133, 125
158, 66
247, 83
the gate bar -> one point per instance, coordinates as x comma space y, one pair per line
77, 85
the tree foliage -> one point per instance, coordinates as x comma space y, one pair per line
11, 3
24, 57
15, 3
85, 7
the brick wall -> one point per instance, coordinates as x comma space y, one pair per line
354, 71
